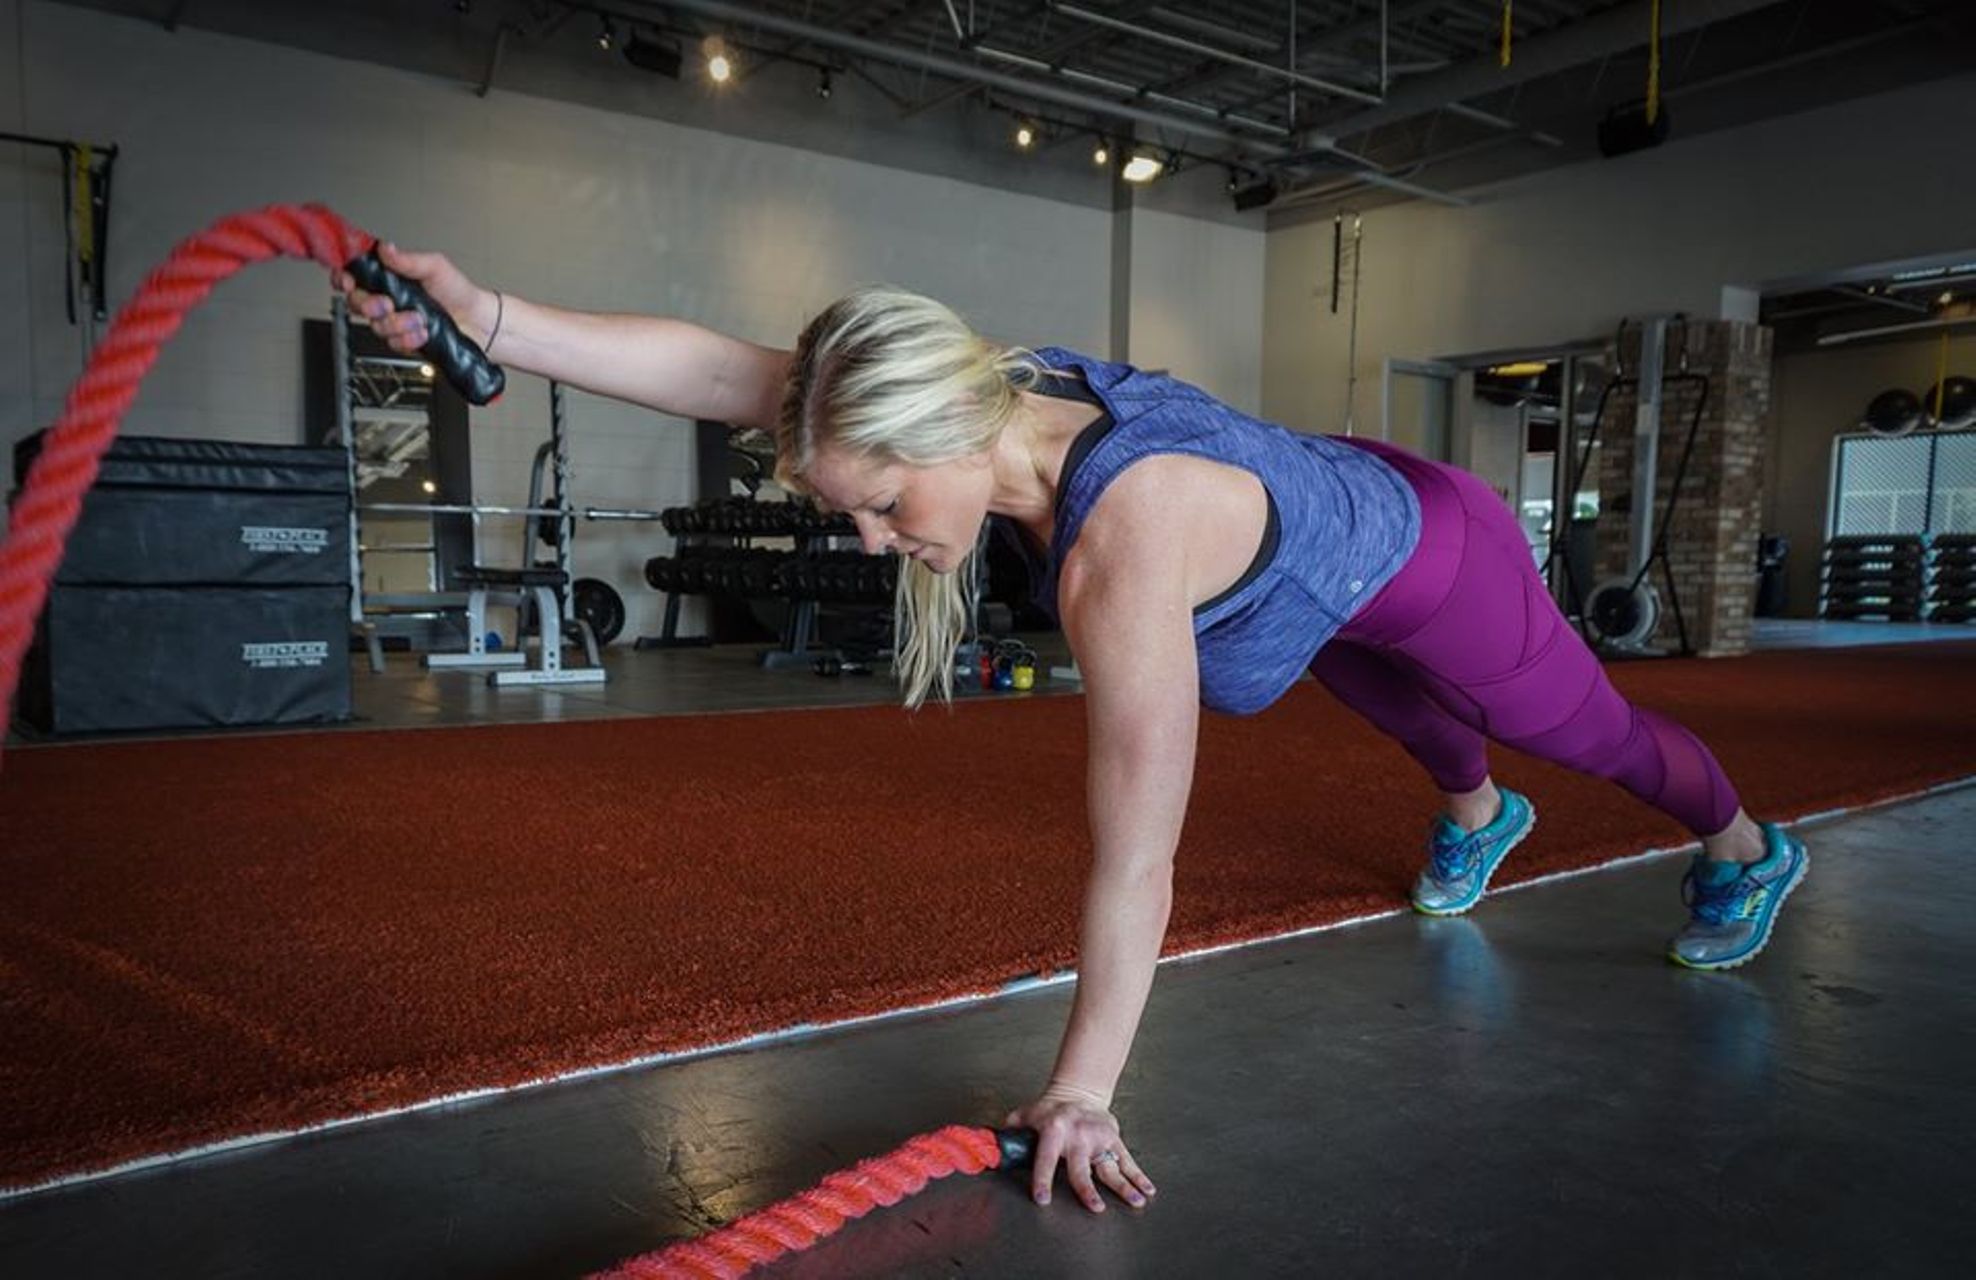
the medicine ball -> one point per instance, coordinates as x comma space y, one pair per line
1958, 403
1892, 413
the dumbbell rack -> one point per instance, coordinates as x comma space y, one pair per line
1875, 576
1952, 574
722, 531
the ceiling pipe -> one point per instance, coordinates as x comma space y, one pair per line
1608, 32
1175, 18
954, 68
1504, 123
1209, 51
1096, 81
1882, 299
1392, 183
1854, 335
1317, 41
723, 11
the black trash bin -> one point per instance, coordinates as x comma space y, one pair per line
1772, 587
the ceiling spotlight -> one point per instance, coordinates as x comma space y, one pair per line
1102, 156
606, 36
823, 84
1947, 297
425, 371
720, 65
1025, 135
429, 487
1142, 168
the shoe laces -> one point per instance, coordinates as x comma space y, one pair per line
1453, 859
1715, 903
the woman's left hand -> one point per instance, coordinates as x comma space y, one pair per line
1075, 1126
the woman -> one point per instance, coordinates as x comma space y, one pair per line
1194, 555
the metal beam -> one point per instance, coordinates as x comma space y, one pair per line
954, 68
1209, 51
1110, 85
1919, 326
1202, 26
1908, 305
1609, 32
1313, 42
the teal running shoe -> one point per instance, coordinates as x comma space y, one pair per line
1459, 863
1733, 906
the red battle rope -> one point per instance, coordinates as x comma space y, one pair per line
802, 1220
50, 501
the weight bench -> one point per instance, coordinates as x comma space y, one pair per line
543, 585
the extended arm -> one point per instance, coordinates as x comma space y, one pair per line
1126, 610
670, 365
1142, 705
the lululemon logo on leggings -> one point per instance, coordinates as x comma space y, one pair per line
285, 653
287, 542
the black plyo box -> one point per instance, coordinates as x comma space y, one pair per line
120, 658
205, 583
208, 513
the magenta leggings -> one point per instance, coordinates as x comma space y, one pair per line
1465, 644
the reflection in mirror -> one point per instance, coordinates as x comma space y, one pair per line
391, 440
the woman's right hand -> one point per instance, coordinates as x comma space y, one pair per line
472, 307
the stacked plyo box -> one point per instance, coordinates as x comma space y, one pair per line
1875, 576
1954, 578
206, 583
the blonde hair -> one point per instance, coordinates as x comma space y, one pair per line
893, 377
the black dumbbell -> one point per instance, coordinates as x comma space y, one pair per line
693, 576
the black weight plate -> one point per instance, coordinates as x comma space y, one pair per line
600, 606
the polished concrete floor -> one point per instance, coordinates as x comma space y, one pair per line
1527, 1091
1817, 633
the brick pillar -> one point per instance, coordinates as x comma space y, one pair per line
1711, 539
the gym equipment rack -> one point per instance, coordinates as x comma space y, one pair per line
713, 552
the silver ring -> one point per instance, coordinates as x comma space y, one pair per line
1105, 1157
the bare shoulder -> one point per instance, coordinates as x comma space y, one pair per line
1169, 523
1132, 534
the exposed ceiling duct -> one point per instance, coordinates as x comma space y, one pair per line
1588, 39
1328, 99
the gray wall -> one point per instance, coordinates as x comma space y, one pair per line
1197, 303
567, 203
1563, 255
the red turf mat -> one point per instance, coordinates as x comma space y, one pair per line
216, 937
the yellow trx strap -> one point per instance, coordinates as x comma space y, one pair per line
1653, 68
85, 208
1508, 7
